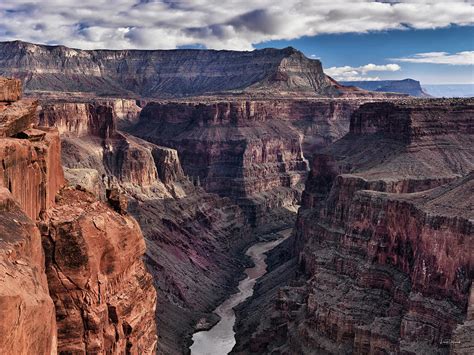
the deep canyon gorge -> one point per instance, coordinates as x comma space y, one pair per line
134, 182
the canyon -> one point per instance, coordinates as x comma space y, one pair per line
190, 273
134, 182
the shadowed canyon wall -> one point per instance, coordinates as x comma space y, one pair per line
384, 239
253, 151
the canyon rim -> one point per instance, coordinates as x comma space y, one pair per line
236, 193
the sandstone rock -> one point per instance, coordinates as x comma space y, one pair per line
31, 170
17, 117
104, 300
167, 164
27, 317
91, 141
127, 112
10, 89
79, 119
250, 150
104, 297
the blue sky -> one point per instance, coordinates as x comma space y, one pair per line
381, 48
428, 40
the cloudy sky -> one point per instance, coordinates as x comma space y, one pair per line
429, 40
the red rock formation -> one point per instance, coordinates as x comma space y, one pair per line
79, 119
388, 269
17, 116
31, 169
93, 254
104, 299
127, 112
27, 316
91, 141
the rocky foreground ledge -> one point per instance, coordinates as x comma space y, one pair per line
72, 278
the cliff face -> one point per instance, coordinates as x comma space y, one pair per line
27, 315
384, 237
162, 73
90, 141
75, 302
94, 254
30, 166
192, 236
253, 151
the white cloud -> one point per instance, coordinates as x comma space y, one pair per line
216, 24
460, 58
348, 73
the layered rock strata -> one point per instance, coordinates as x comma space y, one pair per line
11, 90
384, 238
31, 167
253, 151
75, 303
162, 73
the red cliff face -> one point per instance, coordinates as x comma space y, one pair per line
90, 251
16, 116
384, 237
94, 254
31, 169
92, 141
27, 315
31, 163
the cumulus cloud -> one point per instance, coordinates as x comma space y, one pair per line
460, 58
348, 73
213, 23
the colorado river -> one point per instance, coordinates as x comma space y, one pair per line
220, 339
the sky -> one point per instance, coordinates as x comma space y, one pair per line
428, 40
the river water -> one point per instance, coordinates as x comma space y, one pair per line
220, 339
